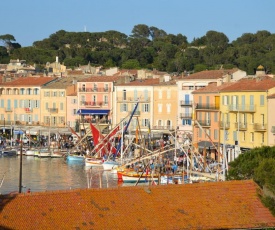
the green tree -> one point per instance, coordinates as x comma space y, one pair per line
140, 31
131, 64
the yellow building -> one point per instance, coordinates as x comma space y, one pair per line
244, 113
157, 109
21, 100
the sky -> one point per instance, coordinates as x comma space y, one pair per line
34, 20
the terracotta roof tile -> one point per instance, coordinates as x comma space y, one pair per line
217, 205
210, 74
29, 81
100, 79
252, 84
213, 88
142, 82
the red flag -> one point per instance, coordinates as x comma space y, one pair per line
74, 133
96, 134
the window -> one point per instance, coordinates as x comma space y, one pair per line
62, 94
146, 122
74, 101
252, 137
252, 118
74, 111
261, 100
243, 136
105, 100
160, 94
216, 134
262, 138
54, 94
216, 116
124, 107
106, 87
168, 94
191, 87
95, 87
200, 133
159, 108
124, 94
61, 106
146, 108
47, 93
168, 107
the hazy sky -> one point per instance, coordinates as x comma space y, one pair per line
33, 20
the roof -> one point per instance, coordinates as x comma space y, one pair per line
210, 74
63, 83
28, 81
100, 79
251, 84
212, 88
142, 82
212, 205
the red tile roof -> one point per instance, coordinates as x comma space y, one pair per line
210, 74
213, 88
101, 79
28, 81
142, 82
216, 205
251, 84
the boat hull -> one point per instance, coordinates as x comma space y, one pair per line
109, 165
93, 162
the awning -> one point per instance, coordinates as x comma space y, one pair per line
93, 111
16, 132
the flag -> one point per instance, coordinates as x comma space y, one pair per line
96, 134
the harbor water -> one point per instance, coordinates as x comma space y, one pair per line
48, 174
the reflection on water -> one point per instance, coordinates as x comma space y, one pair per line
45, 174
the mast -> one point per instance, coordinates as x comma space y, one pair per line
126, 128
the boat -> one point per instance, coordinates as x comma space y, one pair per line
44, 152
9, 152
93, 161
31, 152
138, 177
57, 153
75, 157
110, 164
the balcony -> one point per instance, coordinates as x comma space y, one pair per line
137, 113
132, 99
52, 110
92, 103
8, 110
94, 90
224, 125
204, 123
240, 126
186, 115
207, 107
163, 127
242, 108
28, 110
186, 103
260, 127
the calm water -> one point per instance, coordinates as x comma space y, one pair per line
45, 174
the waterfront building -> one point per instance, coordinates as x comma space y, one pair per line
207, 124
21, 100
270, 120
95, 100
187, 84
244, 109
72, 108
54, 101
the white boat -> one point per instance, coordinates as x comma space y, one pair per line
42, 153
31, 152
57, 153
110, 164
93, 162
133, 177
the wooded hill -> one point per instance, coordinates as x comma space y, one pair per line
147, 47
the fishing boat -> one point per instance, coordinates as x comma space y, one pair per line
75, 158
93, 161
9, 152
138, 177
110, 164
44, 152
57, 153
31, 152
